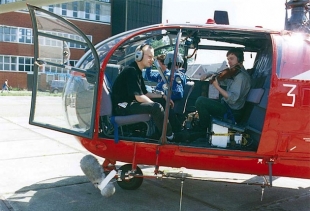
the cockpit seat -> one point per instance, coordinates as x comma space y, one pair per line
254, 97
110, 123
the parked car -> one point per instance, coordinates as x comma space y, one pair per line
57, 86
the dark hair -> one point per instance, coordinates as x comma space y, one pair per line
237, 52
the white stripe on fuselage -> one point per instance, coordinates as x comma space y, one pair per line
303, 76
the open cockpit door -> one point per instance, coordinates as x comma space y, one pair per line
73, 111
173, 67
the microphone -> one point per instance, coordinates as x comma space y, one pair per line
94, 172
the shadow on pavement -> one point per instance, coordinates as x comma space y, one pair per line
77, 193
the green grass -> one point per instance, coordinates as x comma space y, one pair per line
26, 93
15, 93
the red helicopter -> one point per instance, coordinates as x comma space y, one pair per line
272, 139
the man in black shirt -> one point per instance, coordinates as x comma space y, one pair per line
129, 94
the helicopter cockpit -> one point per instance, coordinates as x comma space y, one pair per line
204, 51
80, 109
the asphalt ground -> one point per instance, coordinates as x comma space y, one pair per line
39, 171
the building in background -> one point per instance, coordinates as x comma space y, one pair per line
98, 19
16, 41
131, 14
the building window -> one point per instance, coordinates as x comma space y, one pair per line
87, 10
97, 12
28, 64
58, 43
6, 62
75, 9
64, 9
8, 34
25, 64
16, 63
7, 1
25, 35
13, 63
53, 69
73, 62
51, 8
15, 34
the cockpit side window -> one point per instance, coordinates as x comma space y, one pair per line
293, 57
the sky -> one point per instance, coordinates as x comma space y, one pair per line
266, 13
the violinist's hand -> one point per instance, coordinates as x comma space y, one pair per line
222, 91
216, 83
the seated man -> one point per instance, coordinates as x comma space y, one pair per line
179, 81
179, 77
177, 86
129, 94
234, 96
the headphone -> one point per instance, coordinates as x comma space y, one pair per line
139, 52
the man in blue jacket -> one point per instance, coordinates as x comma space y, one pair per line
179, 80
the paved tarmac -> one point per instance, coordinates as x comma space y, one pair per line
39, 171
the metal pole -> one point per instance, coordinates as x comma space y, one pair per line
126, 14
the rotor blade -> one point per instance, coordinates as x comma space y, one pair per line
11, 7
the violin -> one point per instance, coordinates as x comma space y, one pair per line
229, 72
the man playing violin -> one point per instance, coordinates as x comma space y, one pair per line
238, 83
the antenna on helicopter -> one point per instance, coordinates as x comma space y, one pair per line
300, 12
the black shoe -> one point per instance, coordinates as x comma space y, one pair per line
181, 136
106, 126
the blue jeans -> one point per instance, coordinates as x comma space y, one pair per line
5, 88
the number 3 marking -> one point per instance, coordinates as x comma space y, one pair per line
289, 94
